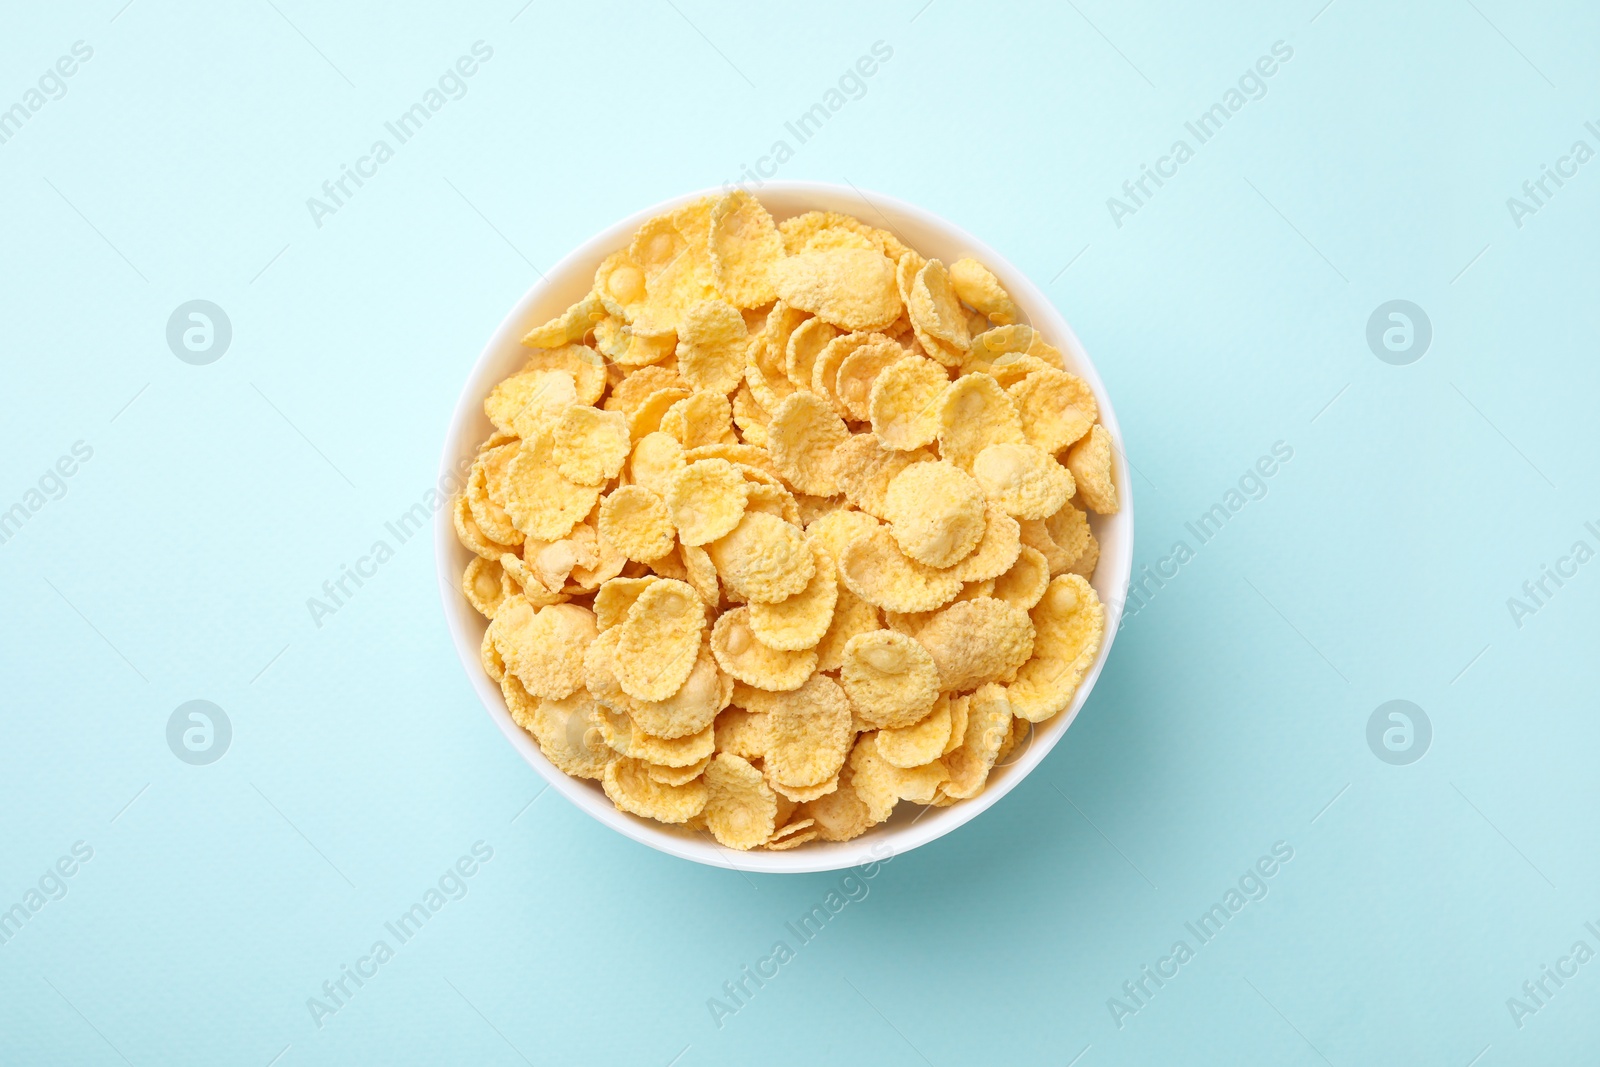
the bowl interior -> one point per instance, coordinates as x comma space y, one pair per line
567, 282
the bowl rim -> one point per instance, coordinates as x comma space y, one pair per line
450, 557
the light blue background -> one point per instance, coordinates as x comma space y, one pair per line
1227, 314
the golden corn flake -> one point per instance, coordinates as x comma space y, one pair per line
619, 283
568, 327
959, 707
485, 585
808, 734
543, 503
851, 616
764, 559
906, 268
659, 640
852, 288
865, 469
636, 521
627, 738
590, 445
980, 289
531, 587
614, 598
1069, 531
1090, 463
741, 809
840, 815
836, 529
489, 656
890, 678
920, 743
1022, 480
711, 346
803, 433
568, 732
677, 775
1068, 622
742, 732
792, 835
988, 726
750, 417
633, 344
935, 311
1057, 408
799, 621
544, 647
471, 535
858, 372
905, 402
975, 642
935, 512
703, 418
874, 568
881, 785
1025, 582
975, 413
742, 654
631, 391
587, 368
700, 572
996, 552
486, 486
657, 458
519, 702
1088, 559
806, 343
745, 250
526, 401
629, 785
692, 708
706, 500
774, 500
817, 231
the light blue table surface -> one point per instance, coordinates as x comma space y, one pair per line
1403, 551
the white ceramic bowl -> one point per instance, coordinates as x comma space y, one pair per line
567, 282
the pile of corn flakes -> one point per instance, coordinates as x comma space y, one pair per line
783, 524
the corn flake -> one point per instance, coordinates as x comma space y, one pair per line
745, 250
659, 640
803, 433
712, 340
742, 655
874, 568
974, 413
1068, 622
706, 500
629, 785
1025, 482
852, 288
935, 512
1090, 463
890, 678
636, 521
741, 809
799, 622
978, 288
1057, 408
905, 402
